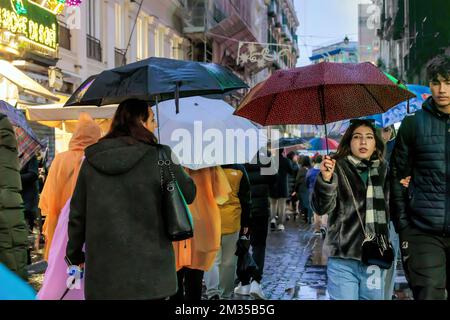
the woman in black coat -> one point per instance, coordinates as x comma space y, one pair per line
355, 177
116, 212
279, 191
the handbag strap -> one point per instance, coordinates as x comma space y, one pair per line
163, 161
347, 183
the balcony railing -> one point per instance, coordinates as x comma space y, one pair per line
119, 57
64, 37
93, 48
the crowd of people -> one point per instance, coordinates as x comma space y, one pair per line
102, 204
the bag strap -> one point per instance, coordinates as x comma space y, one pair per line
163, 161
347, 183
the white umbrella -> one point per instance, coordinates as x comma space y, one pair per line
205, 133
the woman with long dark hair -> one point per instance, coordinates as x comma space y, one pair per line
350, 189
116, 212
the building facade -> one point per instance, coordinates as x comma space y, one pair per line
412, 32
368, 23
102, 34
345, 51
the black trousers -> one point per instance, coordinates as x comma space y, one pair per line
426, 260
190, 284
259, 227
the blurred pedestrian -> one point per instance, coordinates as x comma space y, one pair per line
319, 221
279, 192
293, 199
29, 176
260, 183
301, 189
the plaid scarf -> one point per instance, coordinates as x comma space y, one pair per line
376, 222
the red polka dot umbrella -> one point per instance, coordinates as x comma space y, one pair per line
320, 94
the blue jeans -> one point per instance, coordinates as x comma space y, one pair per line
350, 279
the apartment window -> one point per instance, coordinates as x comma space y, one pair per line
119, 26
93, 45
64, 36
93, 18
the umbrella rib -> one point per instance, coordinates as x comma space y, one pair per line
268, 113
373, 97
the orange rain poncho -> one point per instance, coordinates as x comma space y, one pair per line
200, 251
63, 174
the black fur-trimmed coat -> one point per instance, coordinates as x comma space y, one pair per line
345, 233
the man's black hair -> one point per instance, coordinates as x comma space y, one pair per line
440, 65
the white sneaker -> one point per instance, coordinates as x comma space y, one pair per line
273, 223
242, 290
256, 291
280, 227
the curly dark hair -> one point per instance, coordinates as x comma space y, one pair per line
439, 65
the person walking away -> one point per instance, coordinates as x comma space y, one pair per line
250, 284
301, 188
293, 200
29, 177
354, 177
63, 174
116, 212
13, 228
319, 221
421, 213
280, 192
235, 215
196, 255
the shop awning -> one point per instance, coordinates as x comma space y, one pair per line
24, 82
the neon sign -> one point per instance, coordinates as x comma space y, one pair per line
30, 22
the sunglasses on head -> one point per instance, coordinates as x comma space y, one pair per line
362, 121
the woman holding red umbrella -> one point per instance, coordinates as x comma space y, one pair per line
350, 189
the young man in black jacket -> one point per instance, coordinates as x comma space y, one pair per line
422, 213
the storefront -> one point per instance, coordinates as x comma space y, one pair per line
29, 37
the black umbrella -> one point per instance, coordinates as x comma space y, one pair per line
155, 79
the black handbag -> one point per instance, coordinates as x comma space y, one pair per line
176, 214
374, 250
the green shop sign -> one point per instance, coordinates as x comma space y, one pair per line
30, 22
